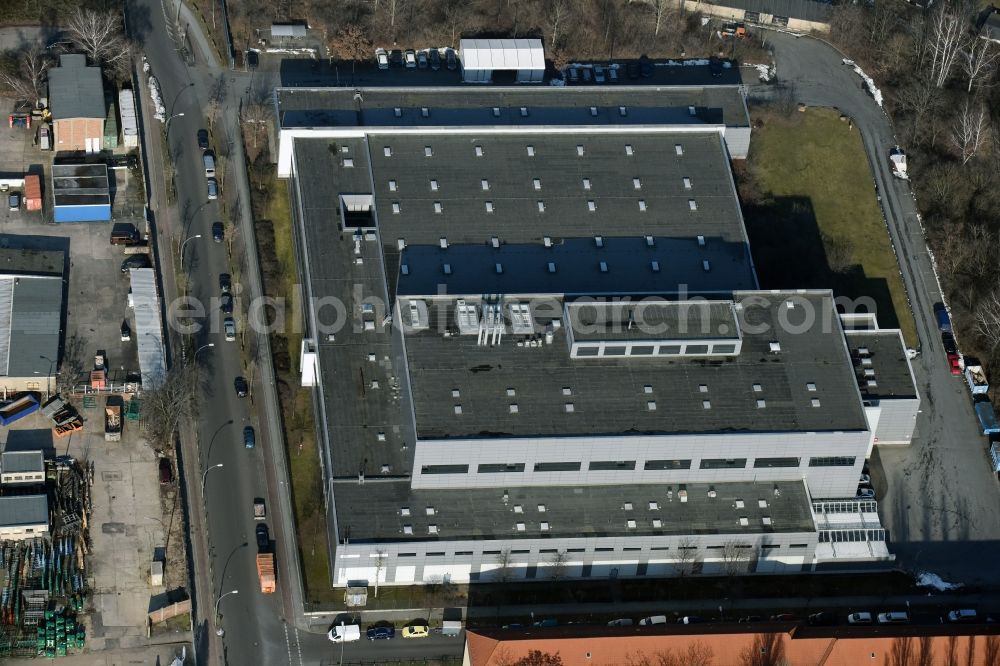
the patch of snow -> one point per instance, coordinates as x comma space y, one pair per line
557, 82
925, 579
159, 111
697, 62
869, 82
764, 72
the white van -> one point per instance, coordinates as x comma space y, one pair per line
893, 617
209, 164
451, 628
655, 619
344, 633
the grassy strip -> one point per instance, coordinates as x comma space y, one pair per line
813, 215
277, 260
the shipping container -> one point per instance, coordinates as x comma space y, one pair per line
987, 418
33, 192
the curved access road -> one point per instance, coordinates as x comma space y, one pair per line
937, 497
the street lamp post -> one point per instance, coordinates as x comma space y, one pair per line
204, 477
48, 377
194, 357
186, 241
219, 631
176, 115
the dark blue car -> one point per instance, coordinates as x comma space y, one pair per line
249, 439
380, 633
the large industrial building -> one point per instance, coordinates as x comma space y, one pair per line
538, 342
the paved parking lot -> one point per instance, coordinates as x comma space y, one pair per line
18, 155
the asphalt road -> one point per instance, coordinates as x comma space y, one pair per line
938, 497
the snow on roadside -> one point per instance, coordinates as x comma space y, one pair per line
872, 88
925, 579
764, 72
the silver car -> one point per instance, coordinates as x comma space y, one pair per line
229, 327
213, 189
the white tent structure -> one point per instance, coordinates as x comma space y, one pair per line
481, 57
148, 328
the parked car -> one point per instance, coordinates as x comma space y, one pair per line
943, 320
859, 618
213, 189
395, 58
689, 619
785, 617
225, 283
218, 232
893, 617
226, 303
263, 537
136, 261
166, 471
344, 633
573, 74
954, 363
451, 59
259, 508
822, 619
621, 622
14, 201
249, 437
229, 328
241, 386
422, 59
203, 139
586, 74
950, 346
410, 58
380, 633
599, 74
435, 58
865, 479
416, 631
613, 74
382, 58
653, 619
963, 615
747, 619
865, 493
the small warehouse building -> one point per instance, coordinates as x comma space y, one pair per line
81, 193
524, 59
76, 101
31, 302
800, 15
23, 517
21, 468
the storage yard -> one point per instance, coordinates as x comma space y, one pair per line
44, 578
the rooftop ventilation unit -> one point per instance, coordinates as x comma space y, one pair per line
650, 242
774, 346
682, 495
654, 506
407, 529
579, 151
599, 241
863, 351
706, 266
744, 521
443, 242
739, 504
655, 265
628, 149
657, 522
432, 529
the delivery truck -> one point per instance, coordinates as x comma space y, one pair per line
265, 572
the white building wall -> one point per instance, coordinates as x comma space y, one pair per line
827, 481
465, 561
897, 419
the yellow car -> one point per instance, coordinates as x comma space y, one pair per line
417, 631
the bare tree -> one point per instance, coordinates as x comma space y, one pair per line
165, 407
971, 129
736, 557
99, 35
380, 561
28, 81
920, 99
557, 565
72, 367
661, 9
555, 12
947, 38
688, 559
978, 61
988, 318
504, 572
766, 650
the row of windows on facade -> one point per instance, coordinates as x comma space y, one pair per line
648, 465
536, 184
489, 207
529, 149
625, 549
570, 407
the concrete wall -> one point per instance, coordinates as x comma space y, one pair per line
733, 14
72, 134
35, 383
465, 561
822, 481
21, 478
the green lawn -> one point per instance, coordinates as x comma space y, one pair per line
817, 221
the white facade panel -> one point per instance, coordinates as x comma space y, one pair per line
405, 574
897, 421
823, 481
